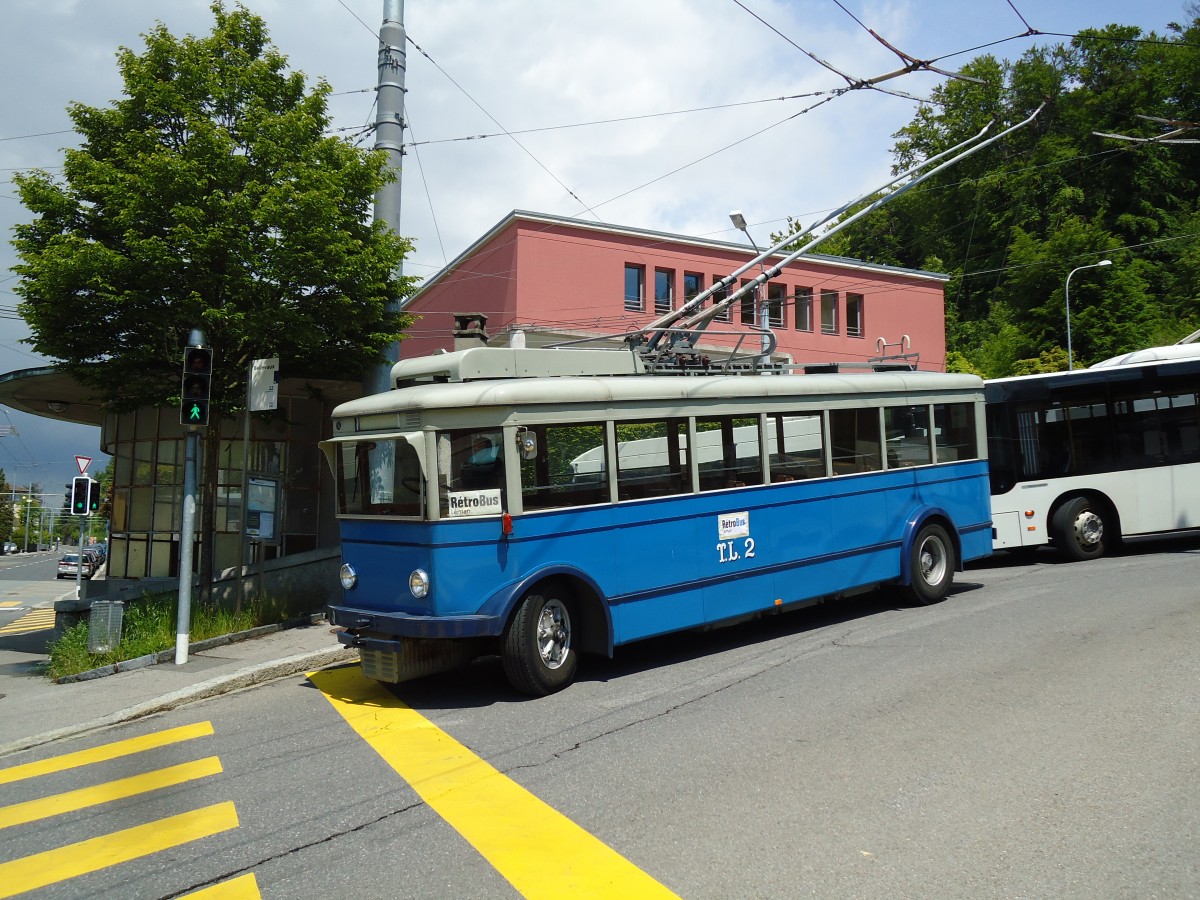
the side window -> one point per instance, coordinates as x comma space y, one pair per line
796, 446
804, 302
855, 440
727, 452
472, 470
568, 469
954, 431
908, 438
652, 459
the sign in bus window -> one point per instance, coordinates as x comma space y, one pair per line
471, 466
652, 459
727, 452
550, 479
796, 446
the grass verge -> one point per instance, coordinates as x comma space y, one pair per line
148, 626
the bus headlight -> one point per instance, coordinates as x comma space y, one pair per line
347, 576
418, 583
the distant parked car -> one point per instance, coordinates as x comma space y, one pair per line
95, 556
69, 566
10, 547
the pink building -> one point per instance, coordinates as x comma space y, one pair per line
559, 279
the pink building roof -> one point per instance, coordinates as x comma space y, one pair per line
558, 278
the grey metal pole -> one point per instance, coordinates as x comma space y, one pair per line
389, 137
187, 537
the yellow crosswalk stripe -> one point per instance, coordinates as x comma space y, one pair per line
70, 801
243, 888
37, 620
73, 860
538, 850
10, 604
105, 752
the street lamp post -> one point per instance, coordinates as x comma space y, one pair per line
1103, 262
761, 307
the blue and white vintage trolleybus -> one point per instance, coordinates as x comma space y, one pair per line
537, 504
540, 503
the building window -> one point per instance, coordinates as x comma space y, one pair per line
746, 304
854, 315
693, 284
804, 320
720, 296
664, 290
775, 295
829, 316
635, 287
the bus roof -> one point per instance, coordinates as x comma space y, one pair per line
607, 391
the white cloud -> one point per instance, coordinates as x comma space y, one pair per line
539, 63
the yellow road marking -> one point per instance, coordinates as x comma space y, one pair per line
37, 620
9, 604
44, 808
73, 860
243, 888
538, 850
105, 752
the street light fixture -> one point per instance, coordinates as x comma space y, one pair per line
1103, 262
764, 318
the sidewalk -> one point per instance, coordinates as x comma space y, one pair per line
35, 710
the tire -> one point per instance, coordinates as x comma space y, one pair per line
1082, 529
931, 565
538, 652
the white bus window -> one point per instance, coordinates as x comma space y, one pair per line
908, 437
652, 459
550, 480
855, 439
727, 452
954, 431
796, 446
380, 477
471, 466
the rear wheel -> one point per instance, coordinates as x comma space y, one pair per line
538, 654
931, 565
1081, 529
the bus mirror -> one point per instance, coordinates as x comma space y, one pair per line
527, 441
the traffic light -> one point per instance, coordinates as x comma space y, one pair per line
197, 386
93, 504
80, 488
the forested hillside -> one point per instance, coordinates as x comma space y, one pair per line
1010, 223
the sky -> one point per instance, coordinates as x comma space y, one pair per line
720, 107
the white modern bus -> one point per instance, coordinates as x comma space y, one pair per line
1084, 458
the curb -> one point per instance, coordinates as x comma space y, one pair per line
243, 678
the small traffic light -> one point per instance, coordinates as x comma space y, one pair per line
196, 391
93, 503
80, 488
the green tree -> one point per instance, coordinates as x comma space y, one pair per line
1009, 223
209, 196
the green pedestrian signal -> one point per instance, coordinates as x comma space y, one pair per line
80, 495
196, 390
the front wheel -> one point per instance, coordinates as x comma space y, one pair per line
1081, 531
538, 655
931, 565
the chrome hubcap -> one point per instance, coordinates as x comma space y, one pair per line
933, 561
1089, 528
554, 634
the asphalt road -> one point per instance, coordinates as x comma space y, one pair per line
1033, 736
